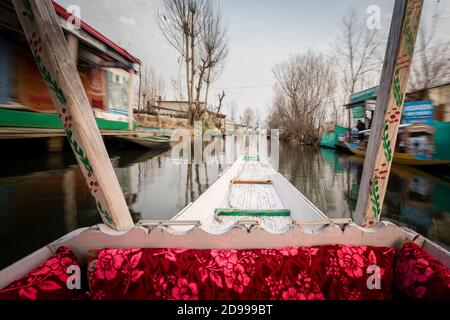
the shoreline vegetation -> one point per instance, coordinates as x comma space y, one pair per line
310, 87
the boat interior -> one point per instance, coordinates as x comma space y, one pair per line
220, 224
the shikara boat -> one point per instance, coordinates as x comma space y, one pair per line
399, 158
250, 208
251, 191
415, 146
252, 235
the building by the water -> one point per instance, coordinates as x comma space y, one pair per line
110, 76
173, 114
362, 104
428, 107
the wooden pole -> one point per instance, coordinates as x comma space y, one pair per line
349, 138
388, 111
131, 100
69, 187
140, 90
72, 42
55, 63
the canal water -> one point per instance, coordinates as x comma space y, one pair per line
43, 197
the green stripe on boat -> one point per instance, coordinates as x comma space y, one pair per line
251, 158
28, 119
252, 213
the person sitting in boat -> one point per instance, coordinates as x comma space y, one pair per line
360, 126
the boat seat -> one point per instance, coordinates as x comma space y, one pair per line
335, 272
338, 272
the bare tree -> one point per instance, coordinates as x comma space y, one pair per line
177, 89
196, 11
202, 68
248, 117
257, 118
221, 97
214, 45
305, 86
276, 112
232, 109
179, 23
152, 85
195, 29
358, 49
431, 63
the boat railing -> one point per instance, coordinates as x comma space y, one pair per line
367, 132
152, 224
168, 223
342, 221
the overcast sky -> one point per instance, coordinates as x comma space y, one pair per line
261, 34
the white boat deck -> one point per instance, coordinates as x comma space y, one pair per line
276, 196
253, 196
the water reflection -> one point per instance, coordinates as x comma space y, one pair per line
321, 176
43, 196
420, 200
163, 187
415, 198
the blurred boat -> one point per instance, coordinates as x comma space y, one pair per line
149, 141
417, 145
399, 158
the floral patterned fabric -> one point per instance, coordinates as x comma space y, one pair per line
420, 276
47, 282
318, 273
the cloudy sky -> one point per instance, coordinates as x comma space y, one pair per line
261, 34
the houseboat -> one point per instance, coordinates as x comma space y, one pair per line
423, 137
109, 74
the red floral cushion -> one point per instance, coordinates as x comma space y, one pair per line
328, 272
47, 282
420, 276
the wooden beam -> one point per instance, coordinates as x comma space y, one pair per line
349, 137
237, 181
55, 63
69, 187
72, 43
87, 40
388, 111
131, 101
8, 18
24, 133
89, 57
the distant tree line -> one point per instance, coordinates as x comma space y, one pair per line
152, 88
312, 87
305, 83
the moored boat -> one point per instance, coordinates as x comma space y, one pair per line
332, 139
418, 145
399, 158
149, 141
